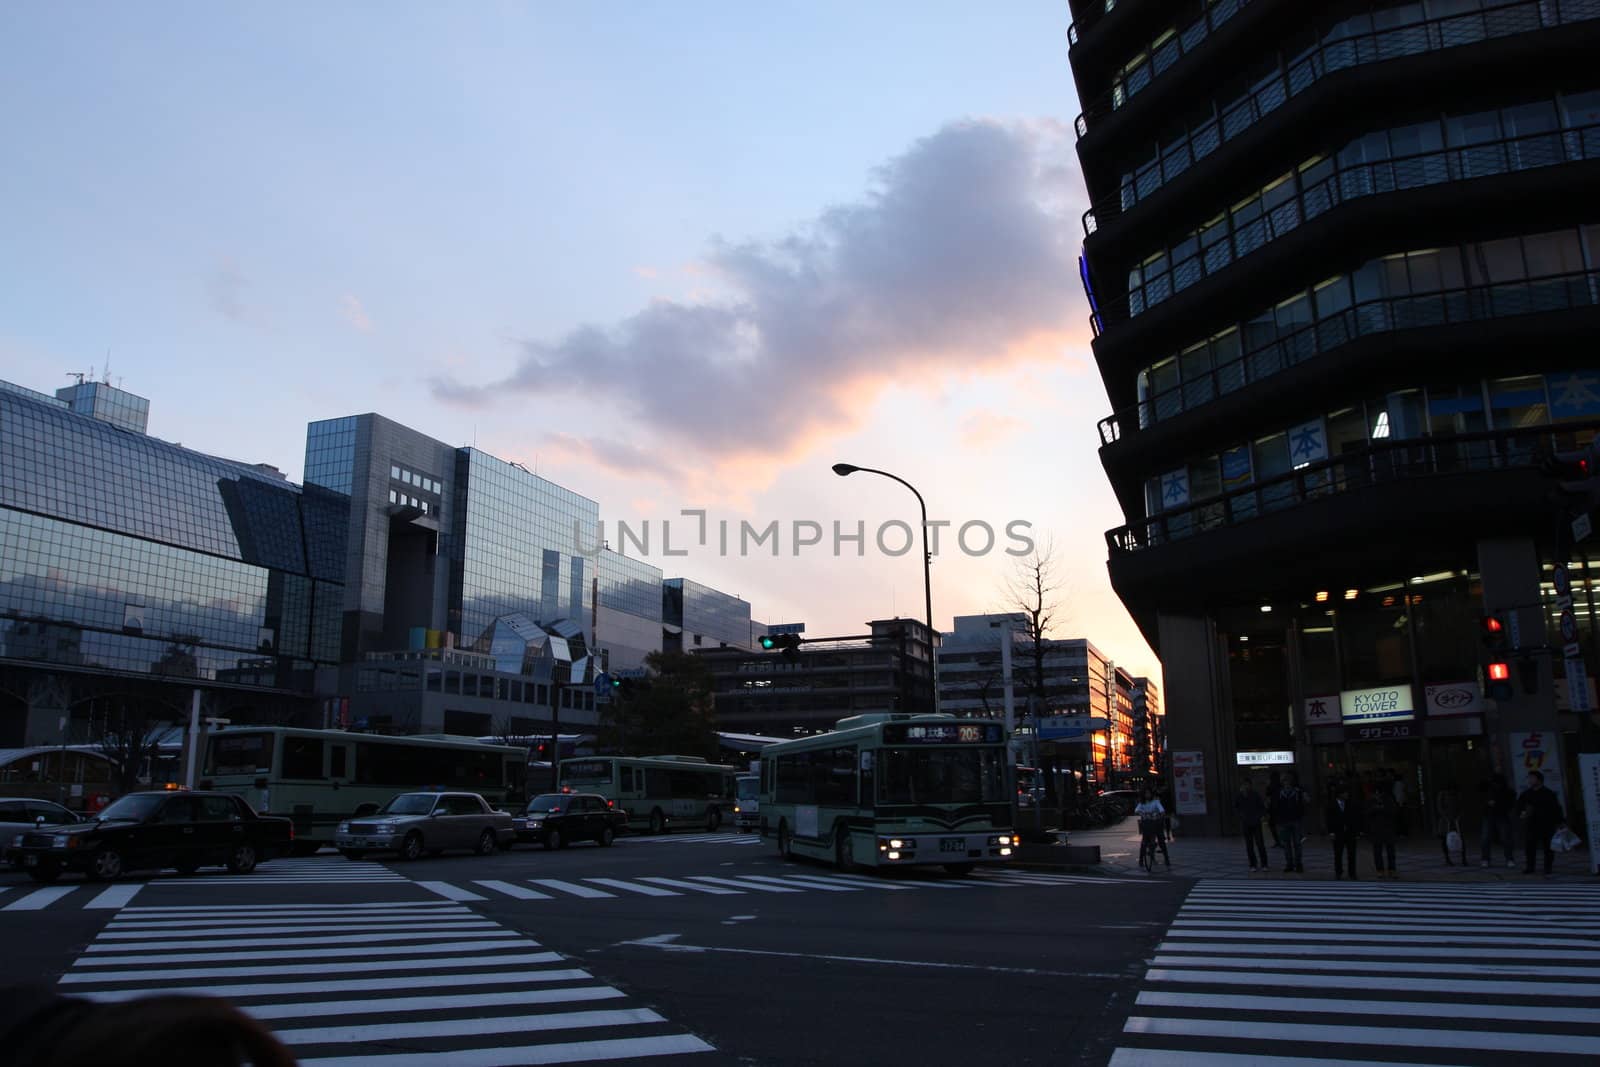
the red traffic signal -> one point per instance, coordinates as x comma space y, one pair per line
1495, 631
1499, 686
1499, 672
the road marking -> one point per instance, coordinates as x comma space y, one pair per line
667, 943
713, 890
757, 886
510, 890
474, 1001
1384, 951
432, 906
576, 1052
1427, 1009
357, 985
436, 1028
646, 890
1155, 1057
116, 896
394, 916
1527, 1044
39, 898
866, 883
802, 881
1372, 982
480, 961
571, 887
1370, 966
120, 934
284, 942
454, 948
445, 889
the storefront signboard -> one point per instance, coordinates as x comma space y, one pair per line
1263, 759
1387, 703
1189, 781
1536, 751
1071, 727
1449, 699
1388, 731
1323, 710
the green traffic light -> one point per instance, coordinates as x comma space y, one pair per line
768, 643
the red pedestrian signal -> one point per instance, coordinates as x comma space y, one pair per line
1499, 672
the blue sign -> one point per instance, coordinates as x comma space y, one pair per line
602, 684
1574, 396
786, 628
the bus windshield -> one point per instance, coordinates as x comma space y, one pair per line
941, 776
749, 788
409, 804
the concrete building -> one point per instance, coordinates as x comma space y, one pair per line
1342, 267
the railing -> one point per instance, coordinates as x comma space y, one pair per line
1318, 189
1447, 307
1378, 463
1158, 61
1327, 58
1072, 30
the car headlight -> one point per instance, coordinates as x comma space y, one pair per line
344, 828
61, 840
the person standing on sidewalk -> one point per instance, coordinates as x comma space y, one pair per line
1343, 816
1540, 811
1250, 809
1447, 813
1498, 800
1291, 811
1380, 831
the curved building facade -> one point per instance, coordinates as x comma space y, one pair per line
1343, 264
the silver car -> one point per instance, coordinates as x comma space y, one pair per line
25, 813
414, 823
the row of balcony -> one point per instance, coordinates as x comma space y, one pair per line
1377, 463
1100, 11
1314, 190
1329, 57
1156, 60
1556, 292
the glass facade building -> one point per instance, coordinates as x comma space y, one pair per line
696, 616
122, 555
1342, 264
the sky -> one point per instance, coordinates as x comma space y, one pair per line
674, 256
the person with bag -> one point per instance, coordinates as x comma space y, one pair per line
1447, 812
1498, 800
1539, 810
1248, 806
1380, 831
1343, 817
1291, 812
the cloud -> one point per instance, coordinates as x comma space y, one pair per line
986, 429
356, 315
225, 287
960, 257
616, 456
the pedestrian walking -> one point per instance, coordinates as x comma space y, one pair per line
1498, 800
1251, 810
1152, 829
1380, 831
1291, 812
1539, 809
1274, 787
1343, 817
1447, 823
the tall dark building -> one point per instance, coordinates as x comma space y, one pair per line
1343, 263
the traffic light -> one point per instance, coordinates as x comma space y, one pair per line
1498, 674
1574, 469
1495, 633
788, 644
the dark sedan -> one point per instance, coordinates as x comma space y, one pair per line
154, 830
557, 819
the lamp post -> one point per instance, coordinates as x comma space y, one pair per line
846, 469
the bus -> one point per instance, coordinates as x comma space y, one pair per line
892, 790
320, 777
657, 792
747, 802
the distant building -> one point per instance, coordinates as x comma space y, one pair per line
775, 694
695, 617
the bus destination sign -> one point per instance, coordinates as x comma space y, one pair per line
941, 733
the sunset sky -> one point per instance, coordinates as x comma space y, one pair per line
670, 255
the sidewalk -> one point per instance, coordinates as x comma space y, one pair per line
1417, 859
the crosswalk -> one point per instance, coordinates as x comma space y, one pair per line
1295, 974
678, 885
421, 984
694, 839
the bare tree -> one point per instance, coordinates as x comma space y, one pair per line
1032, 592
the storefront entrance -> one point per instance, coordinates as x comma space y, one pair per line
1369, 765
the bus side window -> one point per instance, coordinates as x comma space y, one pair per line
627, 779
337, 766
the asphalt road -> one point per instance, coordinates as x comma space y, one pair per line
704, 948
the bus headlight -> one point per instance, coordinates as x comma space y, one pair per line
1003, 840
1005, 852
344, 828
894, 855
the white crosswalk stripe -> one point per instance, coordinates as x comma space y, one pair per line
490, 1001
1295, 974
693, 839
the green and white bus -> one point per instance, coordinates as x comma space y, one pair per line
657, 792
892, 790
320, 777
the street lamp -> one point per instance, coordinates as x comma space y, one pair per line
846, 469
